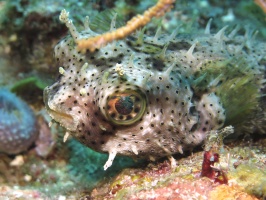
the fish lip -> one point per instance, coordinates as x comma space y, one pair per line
58, 114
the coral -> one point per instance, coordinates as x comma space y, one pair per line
261, 4
161, 181
18, 128
134, 24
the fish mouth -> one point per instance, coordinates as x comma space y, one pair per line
57, 113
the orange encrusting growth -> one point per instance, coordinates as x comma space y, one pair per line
135, 23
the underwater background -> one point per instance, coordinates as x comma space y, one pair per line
36, 163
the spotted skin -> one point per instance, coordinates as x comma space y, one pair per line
148, 98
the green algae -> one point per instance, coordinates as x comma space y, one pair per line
251, 178
24, 84
233, 82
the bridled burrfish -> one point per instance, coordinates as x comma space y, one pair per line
150, 96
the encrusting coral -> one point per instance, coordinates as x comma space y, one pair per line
18, 126
161, 181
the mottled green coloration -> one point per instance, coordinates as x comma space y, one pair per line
234, 82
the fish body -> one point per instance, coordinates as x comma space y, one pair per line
152, 96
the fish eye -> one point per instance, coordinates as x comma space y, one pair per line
126, 107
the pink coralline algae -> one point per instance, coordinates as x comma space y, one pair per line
17, 124
161, 182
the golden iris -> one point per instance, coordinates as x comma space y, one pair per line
125, 108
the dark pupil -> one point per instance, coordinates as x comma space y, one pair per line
124, 105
